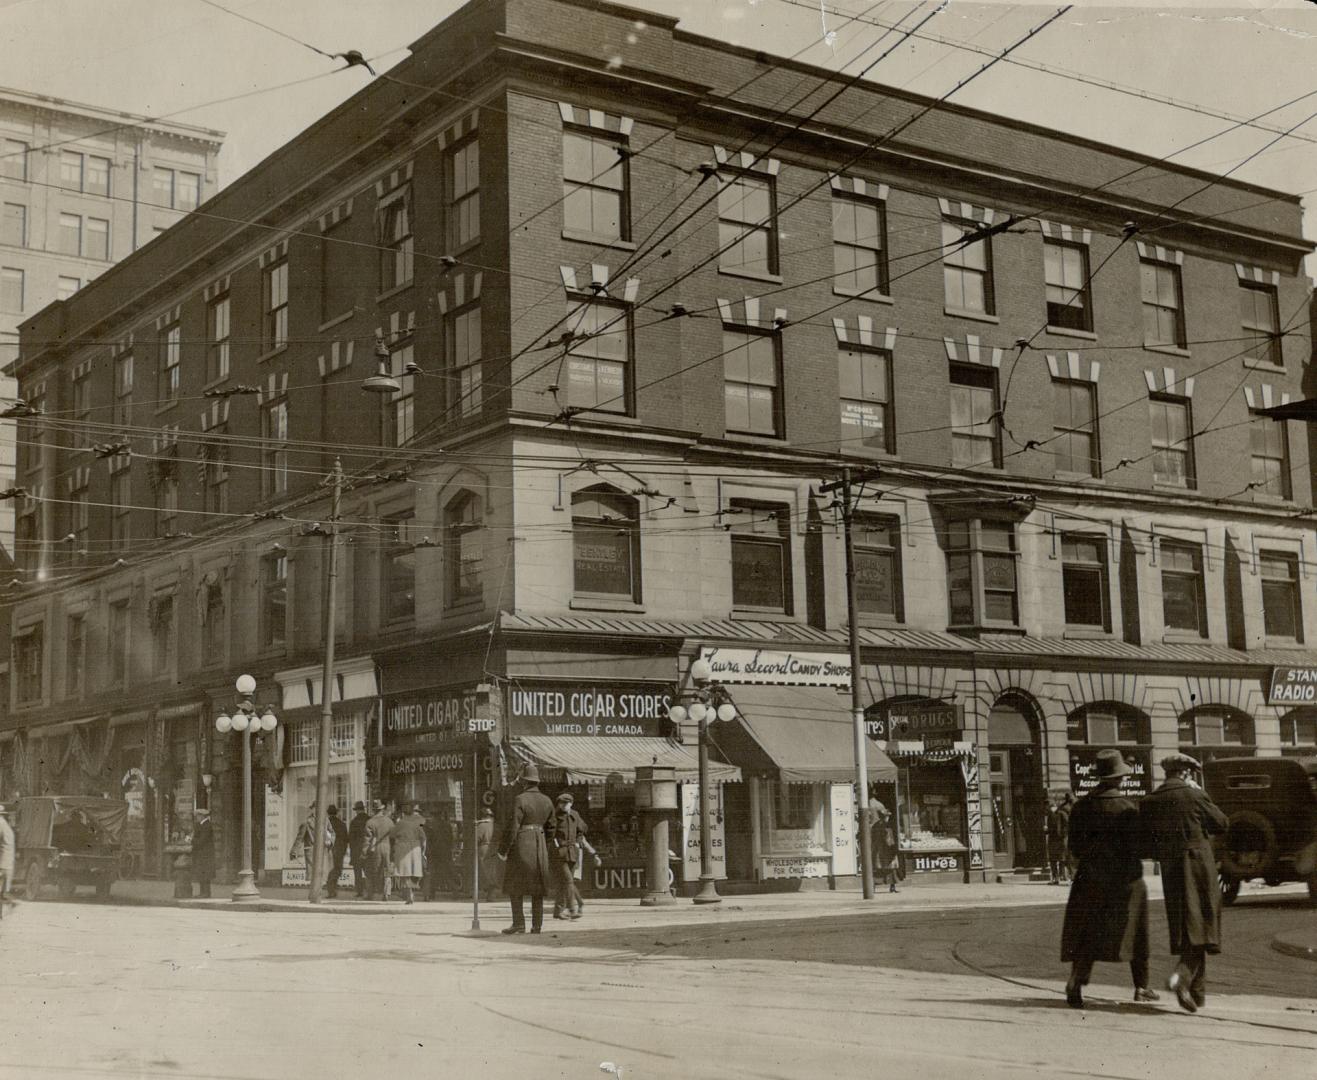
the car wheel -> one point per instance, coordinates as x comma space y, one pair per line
32, 881
67, 888
1250, 845
1229, 888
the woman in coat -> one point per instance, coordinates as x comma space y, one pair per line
525, 847
882, 843
407, 852
1106, 916
1179, 820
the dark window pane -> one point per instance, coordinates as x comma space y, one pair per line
758, 574
602, 559
875, 581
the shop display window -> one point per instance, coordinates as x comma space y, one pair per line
793, 819
932, 806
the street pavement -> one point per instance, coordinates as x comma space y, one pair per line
933, 982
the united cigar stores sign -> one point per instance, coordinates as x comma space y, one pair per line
599, 709
441, 714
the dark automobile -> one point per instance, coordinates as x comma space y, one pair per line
68, 840
1272, 806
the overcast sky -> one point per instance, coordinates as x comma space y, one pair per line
170, 57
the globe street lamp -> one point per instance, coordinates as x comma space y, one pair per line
248, 720
707, 702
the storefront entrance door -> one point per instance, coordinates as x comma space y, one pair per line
1003, 830
1019, 802
736, 823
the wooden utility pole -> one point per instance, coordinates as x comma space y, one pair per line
318, 868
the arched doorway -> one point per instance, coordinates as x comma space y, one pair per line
1015, 777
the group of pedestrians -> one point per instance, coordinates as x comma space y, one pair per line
1106, 918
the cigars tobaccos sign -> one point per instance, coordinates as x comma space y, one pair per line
607, 709
1293, 686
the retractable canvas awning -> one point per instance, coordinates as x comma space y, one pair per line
796, 733
592, 759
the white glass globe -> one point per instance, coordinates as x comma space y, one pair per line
245, 685
701, 671
223, 723
699, 711
677, 713
240, 721
269, 721
726, 711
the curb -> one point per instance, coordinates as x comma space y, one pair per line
1294, 947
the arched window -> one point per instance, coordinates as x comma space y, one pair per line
606, 544
463, 551
1108, 723
1213, 731
1298, 733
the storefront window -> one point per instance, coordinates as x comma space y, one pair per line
1216, 731
793, 806
1298, 734
1106, 725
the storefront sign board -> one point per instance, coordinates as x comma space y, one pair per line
1293, 686
690, 832
427, 760
843, 829
932, 719
450, 712
619, 877
592, 709
777, 667
1083, 769
275, 845
296, 875
935, 861
775, 867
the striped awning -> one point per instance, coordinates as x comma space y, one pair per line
899, 750
585, 759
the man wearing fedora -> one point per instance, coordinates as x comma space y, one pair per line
1106, 915
378, 827
525, 846
1179, 821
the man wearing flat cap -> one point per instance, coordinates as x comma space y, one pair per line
525, 846
1106, 915
378, 828
1179, 821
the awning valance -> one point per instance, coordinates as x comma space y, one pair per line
588, 759
917, 751
796, 733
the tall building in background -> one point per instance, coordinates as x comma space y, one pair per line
81, 187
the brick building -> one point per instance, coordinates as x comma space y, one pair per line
637, 317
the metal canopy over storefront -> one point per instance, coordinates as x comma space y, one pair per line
800, 734
586, 760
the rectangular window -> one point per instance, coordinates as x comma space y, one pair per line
81, 387
599, 357
967, 268
747, 224
121, 503
464, 333
464, 193
118, 640
1282, 612
398, 569
1084, 581
70, 170
1069, 298
1184, 599
80, 519
69, 237
975, 427
1074, 427
67, 286
123, 389
13, 159
337, 284
162, 635
176, 188
1300, 731
859, 244
878, 567
170, 361
752, 386
274, 599
217, 334
1268, 449
865, 377
13, 225
463, 551
1259, 314
1172, 447
1163, 306
274, 333
165, 481
605, 544
213, 623
595, 196
400, 408
761, 556
215, 455
75, 658
96, 175
29, 659
97, 239
396, 241
981, 573
11, 290
274, 451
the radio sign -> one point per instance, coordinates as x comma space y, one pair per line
1293, 686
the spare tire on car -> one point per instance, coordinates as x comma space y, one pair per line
1249, 847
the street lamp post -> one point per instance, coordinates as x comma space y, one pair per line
248, 720
703, 709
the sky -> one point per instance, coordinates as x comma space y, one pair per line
178, 58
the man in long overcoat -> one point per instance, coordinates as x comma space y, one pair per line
525, 847
357, 845
1179, 821
203, 852
407, 852
378, 828
1106, 915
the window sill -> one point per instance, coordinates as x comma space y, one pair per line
1078, 477
166, 408
1183, 637
462, 249
988, 629
464, 608
863, 294
1264, 365
1086, 633
1282, 643
751, 615
603, 603
753, 275
272, 353
1262, 498
1169, 350
337, 320
881, 622
217, 382
1183, 489
753, 439
389, 293
977, 316
1063, 331
596, 240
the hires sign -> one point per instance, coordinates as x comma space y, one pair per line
1293, 686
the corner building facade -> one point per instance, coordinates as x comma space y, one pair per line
638, 318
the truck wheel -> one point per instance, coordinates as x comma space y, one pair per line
67, 888
1229, 888
32, 881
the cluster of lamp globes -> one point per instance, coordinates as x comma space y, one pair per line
701, 674
244, 716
